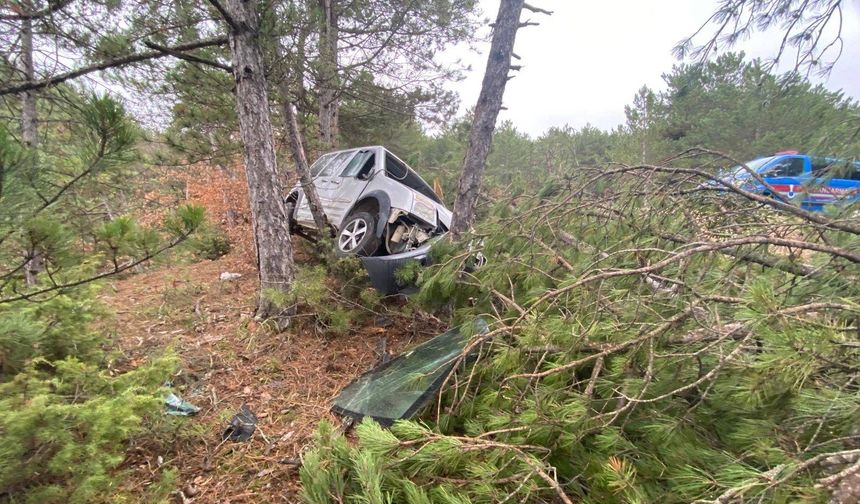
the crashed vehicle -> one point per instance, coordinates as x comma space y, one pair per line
381, 210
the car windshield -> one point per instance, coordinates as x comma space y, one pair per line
738, 172
325, 165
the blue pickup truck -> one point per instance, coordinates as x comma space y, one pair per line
812, 181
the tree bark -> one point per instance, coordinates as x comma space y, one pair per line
327, 77
268, 210
35, 262
298, 152
29, 132
486, 113
300, 64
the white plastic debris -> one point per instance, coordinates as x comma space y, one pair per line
227, 276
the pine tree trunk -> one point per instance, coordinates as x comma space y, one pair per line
486, 112
35, 262
29, 132
268, 211
300, 64
327, 85
298, 152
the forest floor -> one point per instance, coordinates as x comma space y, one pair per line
288, 380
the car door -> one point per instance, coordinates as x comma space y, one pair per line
323, 171
344, 186
835, 181
788, 175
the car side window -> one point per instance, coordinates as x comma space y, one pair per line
361, 164
326, 165
789, 167
320, 164
846, 171
398, 171
394, 169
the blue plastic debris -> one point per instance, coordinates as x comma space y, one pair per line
179, 407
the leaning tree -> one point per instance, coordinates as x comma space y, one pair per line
496, 77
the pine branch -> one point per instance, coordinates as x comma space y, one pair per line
477, 443
188, 57
807, 215
111, 63
706, 247
52, 7
609, 350
30, 296
784, 472
798, 269
234, 25
537, 10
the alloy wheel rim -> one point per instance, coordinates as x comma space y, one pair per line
352, 235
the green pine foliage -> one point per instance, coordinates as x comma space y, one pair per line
46, 195
66, 414
209, 242
53, 330
65, 425
336, 295
737, 107
717, 374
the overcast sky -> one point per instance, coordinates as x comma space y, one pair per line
584, 63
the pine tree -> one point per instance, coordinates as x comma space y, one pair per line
64, 419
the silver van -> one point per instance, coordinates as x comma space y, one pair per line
377, 204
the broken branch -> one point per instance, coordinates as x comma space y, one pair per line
537, 10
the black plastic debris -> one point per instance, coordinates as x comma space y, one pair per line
175, 405
400, 387
382, 269
242, 425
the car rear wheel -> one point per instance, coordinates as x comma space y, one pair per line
357, 236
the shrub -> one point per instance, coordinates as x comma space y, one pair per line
65, 425
312, 292
54, 329
65, 419
210, 242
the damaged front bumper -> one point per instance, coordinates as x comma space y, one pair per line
382, 269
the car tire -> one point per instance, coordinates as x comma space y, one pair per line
357, 236
290, 207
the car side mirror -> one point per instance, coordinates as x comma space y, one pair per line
368, 175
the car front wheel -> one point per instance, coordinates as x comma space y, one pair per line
357, 236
